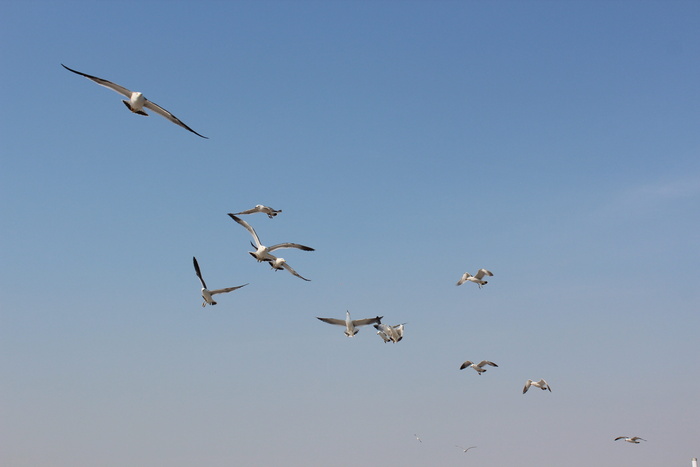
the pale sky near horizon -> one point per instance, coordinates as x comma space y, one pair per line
554, 143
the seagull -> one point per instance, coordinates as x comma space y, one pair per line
206, 293
542, 384
465, 450
262, 252
137, 101
419, 440
478, 367
476, 278
281, 263
633, 440
349, 324
390, 333
260, 208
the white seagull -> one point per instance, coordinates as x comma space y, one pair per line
476, 278
262, 252
281, 263
260, 208
136, 102
351, 325
542, 384
206, 293
390, 333
419, 440
479, 367
633, 440
465, 450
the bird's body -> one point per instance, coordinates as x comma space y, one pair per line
137, 102
542, 384
351, 325
207, 294
260, 208
479, 367
477, 278
633, 439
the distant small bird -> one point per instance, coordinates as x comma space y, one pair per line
465, 450
475, 278
351, 325
136, 102
478, 367
633, 440
260, 208
390, 333
419, 440
206, 293
542, 384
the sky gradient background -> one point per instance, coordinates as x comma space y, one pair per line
554, 143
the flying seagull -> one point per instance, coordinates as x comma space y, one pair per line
465, 450
633, 440
419, 440
281, 263
137, 101
542, 384
390, 333
478, 367
351, 325
260, 208
262, 252
206, 293
475, 278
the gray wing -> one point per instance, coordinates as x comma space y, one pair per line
199, 273
366, 321
248, 228
290, 269
226, 290
290, 245
338, 322
486, 362
249, 211
465, 365
483, 272
162, 112
102, 82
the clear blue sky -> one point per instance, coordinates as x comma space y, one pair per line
555, 143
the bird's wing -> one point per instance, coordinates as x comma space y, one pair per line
486, 362
465, 365
366, 321
527, 385
462, 280
199, 273
620, 437
249, 211
162, 112
290, 269
102, 82
483, 272
290, 245
638, 438
339, 322
226, 290
546, 385
248, 228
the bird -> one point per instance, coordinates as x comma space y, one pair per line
137, 102
281, 263
542, 384
475, 278
260, 208
351, 325
390, 333
465, 450
633, 440
419, 440
206, 293
262, 252
478, 367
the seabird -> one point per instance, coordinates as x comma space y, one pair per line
281, 263
262, 252
419, 440
206, 293
476, 278
351, 325
478, 367
260, 208
465, 450
542, 384
137, 101
390, 333
633, 440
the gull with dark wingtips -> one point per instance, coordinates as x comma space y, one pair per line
260, 208
475, 278
350, 324
463, 449
479, 367
542, 384
633, 440
137, 102
206, 293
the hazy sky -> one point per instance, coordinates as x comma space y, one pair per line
555, 143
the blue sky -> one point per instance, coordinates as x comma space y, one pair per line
554, 143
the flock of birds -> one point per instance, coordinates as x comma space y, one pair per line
263, 254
